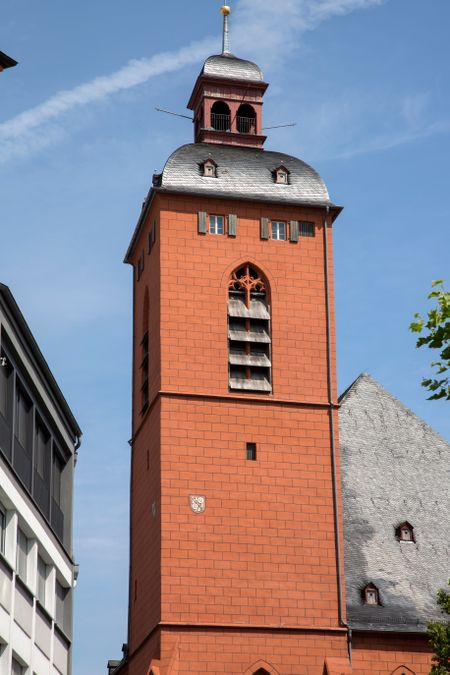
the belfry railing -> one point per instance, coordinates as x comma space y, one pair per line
246, 125
220, 122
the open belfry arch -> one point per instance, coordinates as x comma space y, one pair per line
236, 512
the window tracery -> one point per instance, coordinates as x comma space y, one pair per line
249, 341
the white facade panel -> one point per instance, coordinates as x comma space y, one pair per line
41, 664
43, 633
23, 610
20, 643
5, 587
5, 626
60, 654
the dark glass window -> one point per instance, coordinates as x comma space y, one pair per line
2, 528
22, 555
144, 373
42, 465
61, 615
23, 446
251, 452
57, 511
306, 229
41, 580
16, 668
6, 396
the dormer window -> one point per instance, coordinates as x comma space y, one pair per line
371, 595
209, 168
281, 175
405, 532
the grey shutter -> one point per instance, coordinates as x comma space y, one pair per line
202, 222
264, 228
293, 230
232, 225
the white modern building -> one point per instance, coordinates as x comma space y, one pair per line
39, 438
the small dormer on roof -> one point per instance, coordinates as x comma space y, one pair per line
405, 532
371, 595
281, 175
208, 168
227, 98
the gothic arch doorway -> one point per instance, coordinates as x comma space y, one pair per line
403, 670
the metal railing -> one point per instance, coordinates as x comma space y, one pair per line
246, 125
220, 122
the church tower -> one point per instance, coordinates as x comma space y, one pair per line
236, 562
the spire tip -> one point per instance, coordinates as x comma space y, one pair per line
226, 11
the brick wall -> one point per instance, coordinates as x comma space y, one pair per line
383, 654
263, 553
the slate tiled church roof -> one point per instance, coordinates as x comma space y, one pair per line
395, 468
228, 65
242, 173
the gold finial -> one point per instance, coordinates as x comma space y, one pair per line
226, 11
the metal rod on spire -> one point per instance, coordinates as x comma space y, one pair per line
226, 11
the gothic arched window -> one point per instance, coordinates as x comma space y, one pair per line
249, 342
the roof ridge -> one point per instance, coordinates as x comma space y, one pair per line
395, 399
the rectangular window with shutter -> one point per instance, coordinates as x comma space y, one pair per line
278, 230
216, 225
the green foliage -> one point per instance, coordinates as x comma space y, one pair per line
439, 634
436, 335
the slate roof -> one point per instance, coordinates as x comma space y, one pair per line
242, 173
229, 66
394, 468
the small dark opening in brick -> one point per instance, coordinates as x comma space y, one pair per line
251, 452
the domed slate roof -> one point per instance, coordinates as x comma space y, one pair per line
242, 173
229, 66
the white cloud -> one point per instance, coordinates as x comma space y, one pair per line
17, 137
269, 31
264, 29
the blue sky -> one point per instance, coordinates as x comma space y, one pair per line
366, 81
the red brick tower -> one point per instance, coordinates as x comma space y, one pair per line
235, 505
